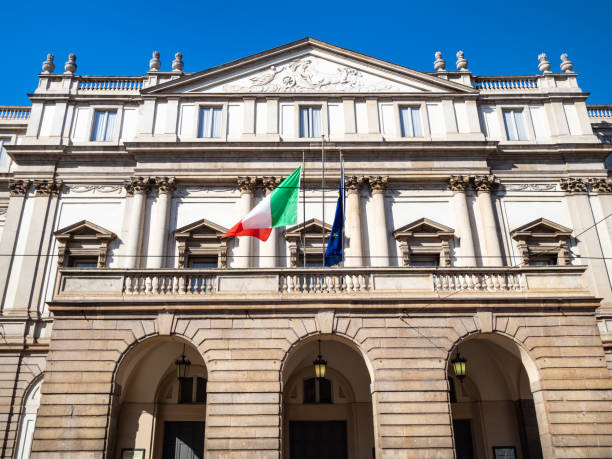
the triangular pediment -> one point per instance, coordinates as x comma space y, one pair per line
541, 227
308, 66
201, 227
423, 227
84, 230
312, 227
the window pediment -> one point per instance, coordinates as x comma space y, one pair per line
202, 238
424, 241
542, 242
307, 239
83, 240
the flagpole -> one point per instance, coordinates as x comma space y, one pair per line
303, 206
323, 197
343, 195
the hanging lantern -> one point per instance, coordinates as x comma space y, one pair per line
320, 365
459, 366
182, 366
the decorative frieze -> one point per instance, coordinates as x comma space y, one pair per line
47, 187
93, 188
19, 187
165, 185
485, 183
378, 184
140, 185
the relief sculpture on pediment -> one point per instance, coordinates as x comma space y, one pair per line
310, 74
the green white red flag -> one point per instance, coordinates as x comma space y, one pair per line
279, 208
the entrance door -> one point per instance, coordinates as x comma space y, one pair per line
183, 440
317, 440
463, 439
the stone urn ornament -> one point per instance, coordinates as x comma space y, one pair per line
177, 63
462, 62
439, 63
155, 63
567, 66
70, 66
544, 65
48, 66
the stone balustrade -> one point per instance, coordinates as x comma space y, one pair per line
296, 284
506, 83
110, 84
14, 112
600, 113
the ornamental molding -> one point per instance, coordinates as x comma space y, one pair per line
531, 187
140, 185
19, 187
105, 189
574, 184
601, 185
485, 183
247, 184
355, 184
378, 184
47, 188
311, 74
165, 185
459, 183
269, 183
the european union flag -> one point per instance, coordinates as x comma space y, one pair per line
334, 251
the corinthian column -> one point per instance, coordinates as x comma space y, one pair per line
459, 185
137, 187
246, 186
484, 184
353, 221
158, 232
379, 252
268, 251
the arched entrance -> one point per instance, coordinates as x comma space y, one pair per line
493, 410
328, 417
161, 415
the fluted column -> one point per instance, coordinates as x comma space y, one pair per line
246, 186
379, 252
268, 251
353, 221
137, 187
459, 185
158, 231
484, 184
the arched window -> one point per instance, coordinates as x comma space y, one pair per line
28, 421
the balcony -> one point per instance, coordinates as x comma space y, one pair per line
190, 287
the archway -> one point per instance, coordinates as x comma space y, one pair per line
160, 415
493, 409
328, 417
28, 419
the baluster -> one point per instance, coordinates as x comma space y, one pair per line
148, 285
128, 285
337, 281
290, 283
181, 285
317, 283
349, 283
283, 283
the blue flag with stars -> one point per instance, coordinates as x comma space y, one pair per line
334, 253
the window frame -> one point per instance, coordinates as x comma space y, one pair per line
116, 127
529, 129
411, 107
222, 128
310, 107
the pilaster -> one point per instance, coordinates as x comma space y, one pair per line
158, 231
137, 188
459, 185
484, 185
379, 255
354, 257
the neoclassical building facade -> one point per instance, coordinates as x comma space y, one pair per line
477, 231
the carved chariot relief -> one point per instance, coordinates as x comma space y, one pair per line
312, 74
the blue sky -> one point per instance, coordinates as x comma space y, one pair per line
117, 38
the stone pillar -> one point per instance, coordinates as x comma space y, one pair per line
246, 186
459, 185
46, 191
484, 184
17, 190
268, 251
137, 187
587, 237
354, 256
379, 252
158, 231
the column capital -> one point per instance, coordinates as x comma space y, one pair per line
247, 184
48, 187
601, 185
354, 184
19, 187
269, 183
574, 184
459, 183
138, 185
165, 185
485, 183
378, 184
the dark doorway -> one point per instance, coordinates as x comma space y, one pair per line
183, 440
463, 439
317, 440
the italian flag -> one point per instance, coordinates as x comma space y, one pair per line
279, 208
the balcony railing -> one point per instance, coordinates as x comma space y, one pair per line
600, 113
186, 285
15, 112
110, 84
503, 83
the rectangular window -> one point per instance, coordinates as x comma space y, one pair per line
83, 262
515, 125
410, 121
185, 390
425, 260
5, 160
104, 126
310, 121
210, 122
